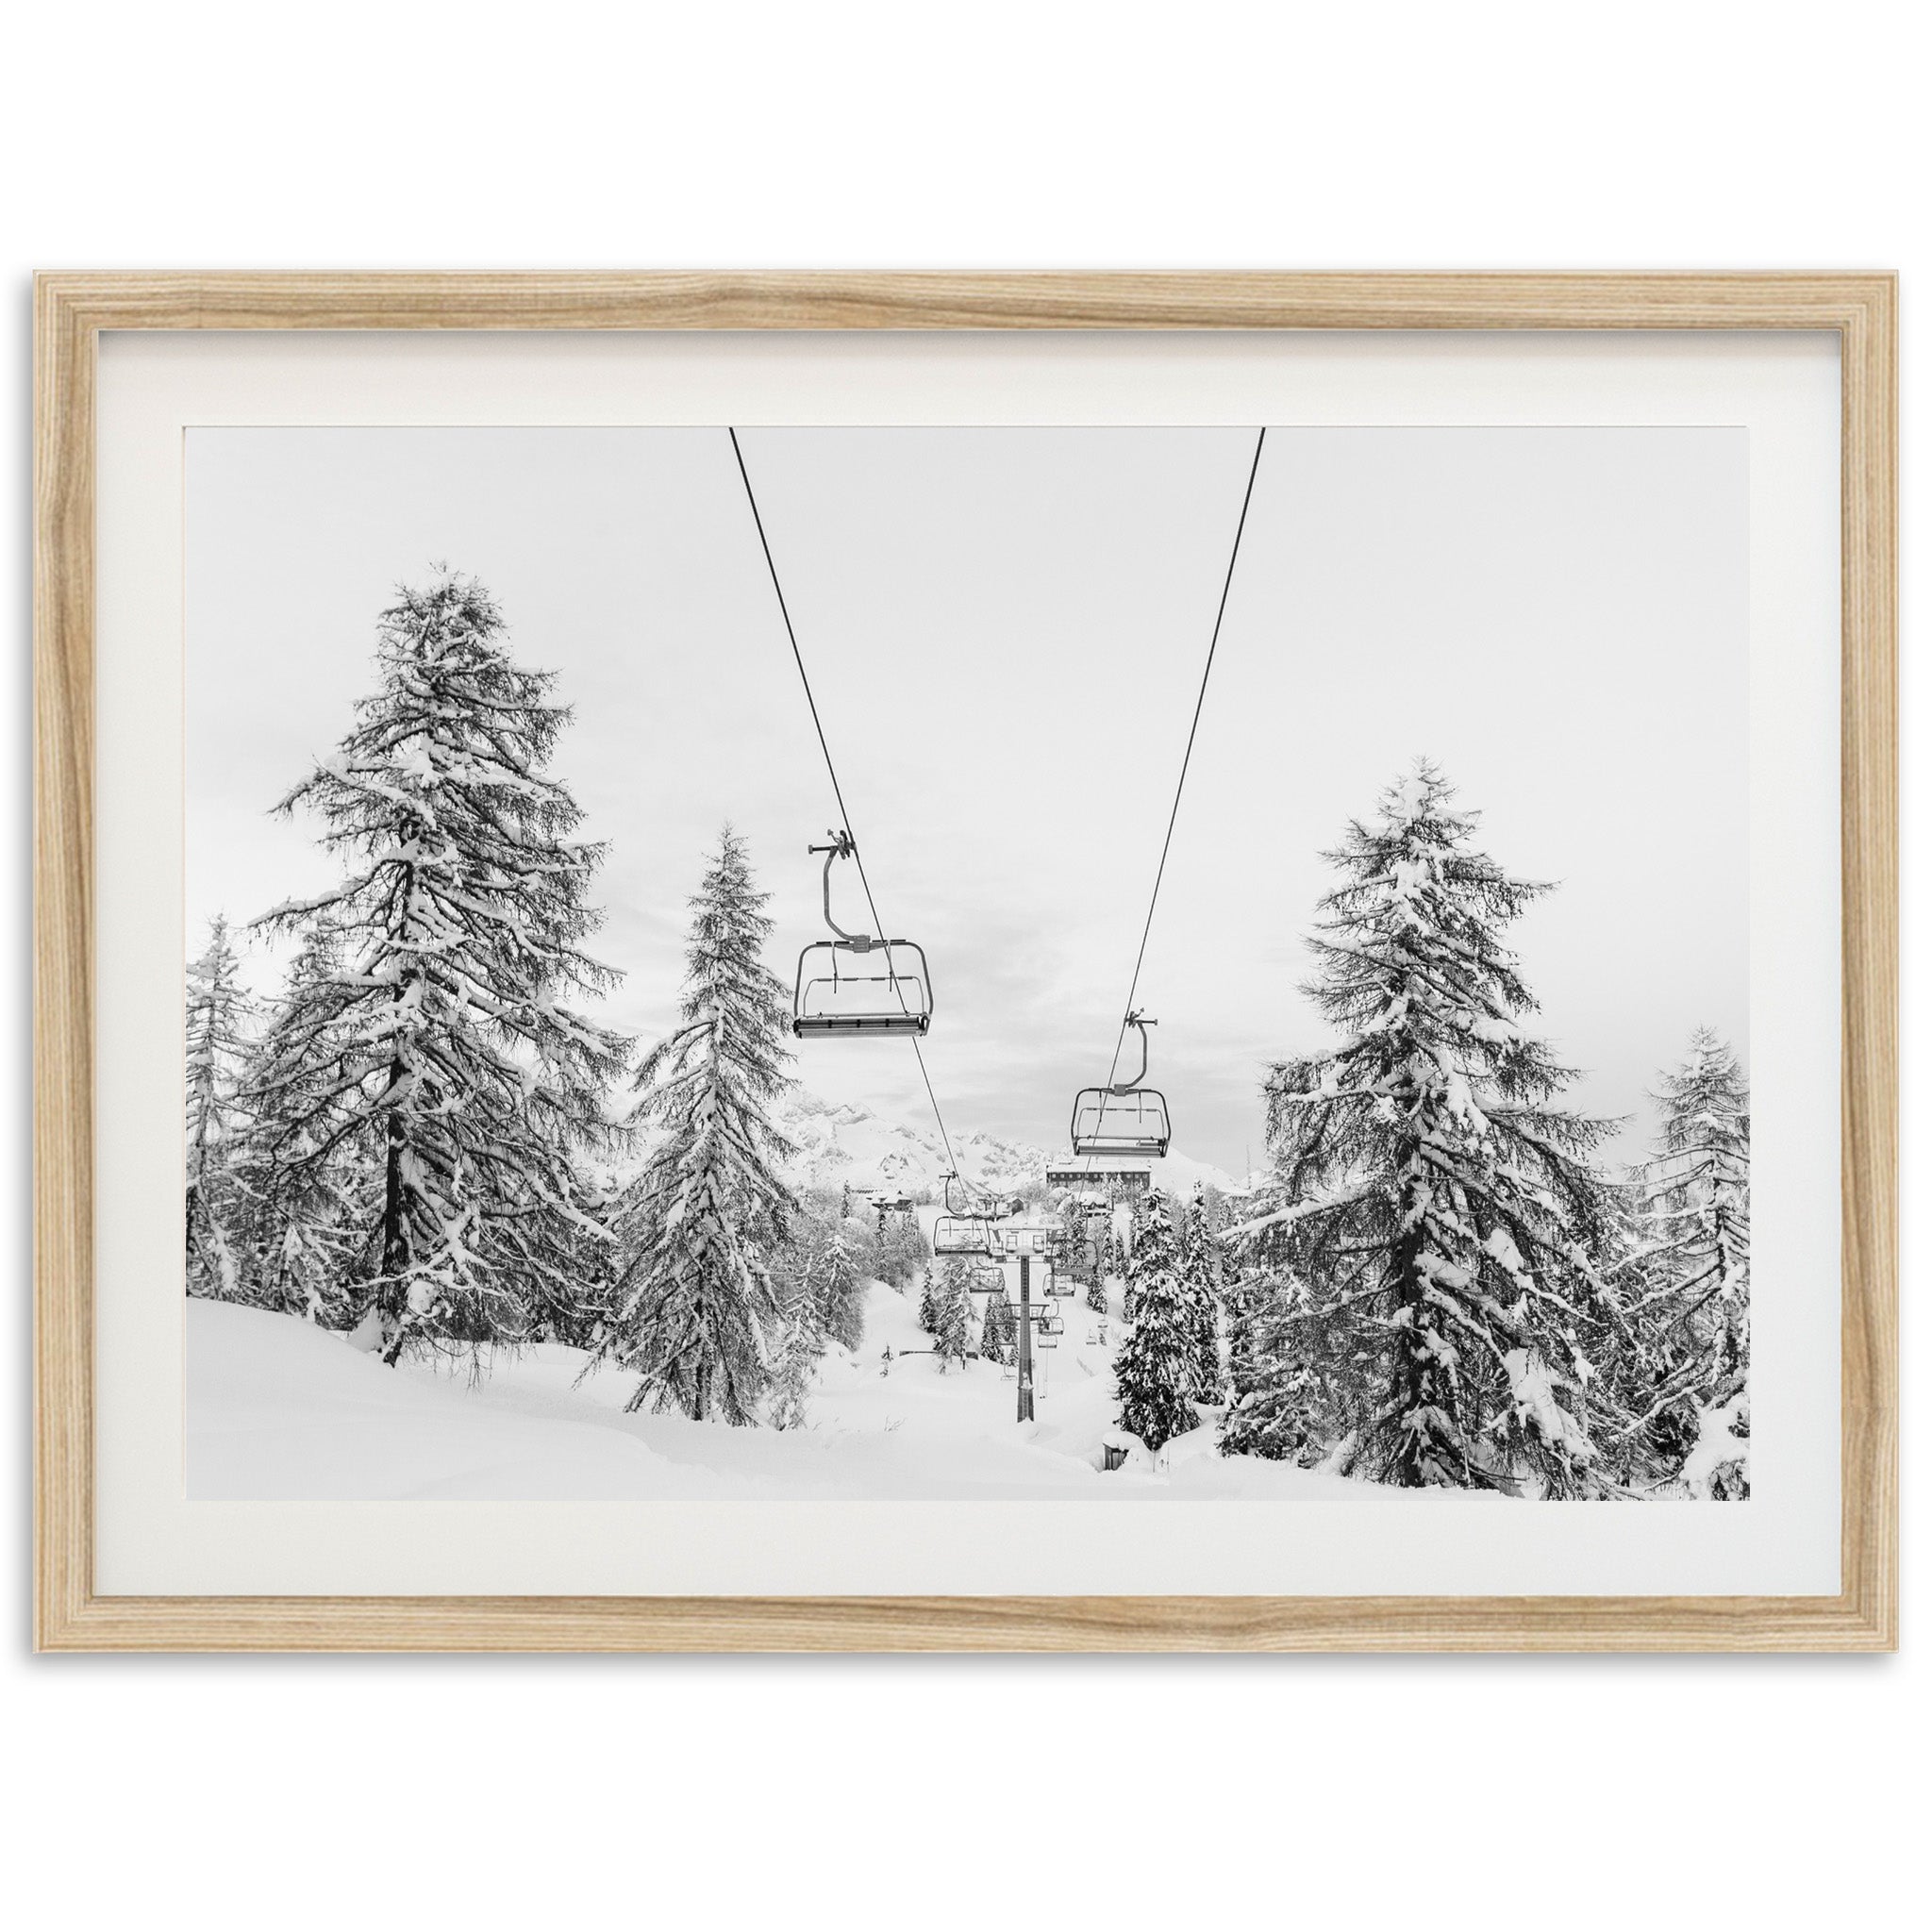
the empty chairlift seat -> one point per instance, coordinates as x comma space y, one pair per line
855, 985
962, 1234
1123, 1120
862, 989
1106, 1122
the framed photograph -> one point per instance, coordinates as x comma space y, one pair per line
1050, 962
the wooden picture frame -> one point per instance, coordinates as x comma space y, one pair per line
72, 310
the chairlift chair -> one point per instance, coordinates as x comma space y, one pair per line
962, 1234
855, 985
1125, 1118
967, 1226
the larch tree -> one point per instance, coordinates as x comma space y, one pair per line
1688, 1265
219, 1012
309, 1206
1157, 1367
705, 1221
1439, 1208
461, 1074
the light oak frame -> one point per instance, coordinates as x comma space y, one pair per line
72, 311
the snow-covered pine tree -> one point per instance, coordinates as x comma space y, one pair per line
952, 1329
1200, 1264
900, 1250
999, 1326
219, 1011
928, 1304
308, 1207
1156, 1371
464, 1076
703, 1222
799, 1350
1096, 1295
1275, 1401
575, 1302
824, 1256
1689, 1263
1438, 1207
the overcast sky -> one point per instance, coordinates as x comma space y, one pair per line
1005, 629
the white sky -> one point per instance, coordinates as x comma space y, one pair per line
1005, 629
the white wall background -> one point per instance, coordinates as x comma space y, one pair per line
500, 1792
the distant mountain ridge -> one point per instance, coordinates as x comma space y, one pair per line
847, 1144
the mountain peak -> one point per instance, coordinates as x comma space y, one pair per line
844, 1143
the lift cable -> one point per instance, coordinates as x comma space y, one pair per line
1161, 872
832, 772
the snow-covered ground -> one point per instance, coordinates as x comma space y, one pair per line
278, 1409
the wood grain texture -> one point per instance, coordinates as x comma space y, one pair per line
71, 310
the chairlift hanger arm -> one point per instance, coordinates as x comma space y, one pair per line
841, 847
1141, 1025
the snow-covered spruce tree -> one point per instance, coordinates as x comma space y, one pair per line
1437, 1204
308, 1206
901, 1252
823, 1259
1275, 1401
1689, 1267
952, 1327
219, 1011
999, 1326
799, 1350
1200, 1264
1080, 1260
928, 1307
575, 1302
464, 1078
702, 1224
1158, 1366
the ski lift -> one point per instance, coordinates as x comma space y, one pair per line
966, 1227
962, 1234
1013, 1239
883, 995
962, 1197
989, 1277
1124, 1119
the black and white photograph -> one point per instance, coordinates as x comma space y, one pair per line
1005, 964
939, 914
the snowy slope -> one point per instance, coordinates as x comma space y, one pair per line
279, 1409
